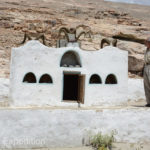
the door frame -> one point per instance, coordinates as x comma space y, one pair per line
71, 73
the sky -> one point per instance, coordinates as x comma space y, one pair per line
143, 2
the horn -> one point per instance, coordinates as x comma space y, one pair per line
104, 41
26, 36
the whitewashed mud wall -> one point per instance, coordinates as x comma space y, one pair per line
135, 90
69, 128
46, 127
39, 59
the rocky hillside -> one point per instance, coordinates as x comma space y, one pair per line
103, 19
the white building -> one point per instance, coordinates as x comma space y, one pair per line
43, 76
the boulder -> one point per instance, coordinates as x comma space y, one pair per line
136, 55
136, 63
132, 47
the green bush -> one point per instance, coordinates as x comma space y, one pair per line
102, 142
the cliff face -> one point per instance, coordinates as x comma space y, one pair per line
104, 19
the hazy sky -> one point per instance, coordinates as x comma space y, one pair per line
143, 2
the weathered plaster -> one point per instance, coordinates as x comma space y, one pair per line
34, 127
39, 59
70, 128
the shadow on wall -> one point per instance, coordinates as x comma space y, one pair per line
95, 79
31, 78
70, 59
45, 79
111, 79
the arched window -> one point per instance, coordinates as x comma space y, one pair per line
95, 79
45, 79
70, 59
29, 78
111, 79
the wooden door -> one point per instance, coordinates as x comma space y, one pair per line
81, 89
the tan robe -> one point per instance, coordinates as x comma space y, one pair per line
147, 75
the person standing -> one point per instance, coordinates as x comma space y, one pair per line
147, 72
